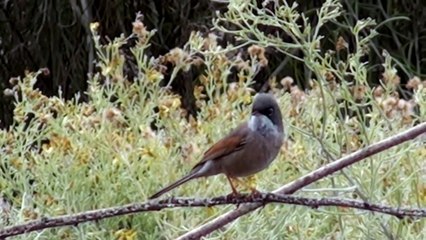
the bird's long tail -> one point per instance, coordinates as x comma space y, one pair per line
175, 185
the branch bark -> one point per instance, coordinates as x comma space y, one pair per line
156, 205
309, 178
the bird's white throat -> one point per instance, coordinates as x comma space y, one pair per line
260, 122
252, 123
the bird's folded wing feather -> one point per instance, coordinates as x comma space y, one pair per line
227, 145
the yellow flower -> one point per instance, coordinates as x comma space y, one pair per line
60, 143
147, 152
125, 234
169, 105
83, 156
116, 162
247, 98
154, 76
198, 92
49, 201
16, 163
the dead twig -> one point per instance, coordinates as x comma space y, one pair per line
155, 205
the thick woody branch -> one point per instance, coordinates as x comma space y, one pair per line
155, 205
310, 178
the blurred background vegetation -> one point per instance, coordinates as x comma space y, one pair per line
95, 123
56, 35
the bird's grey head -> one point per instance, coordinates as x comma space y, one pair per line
266, 105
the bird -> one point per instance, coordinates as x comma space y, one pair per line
246, 150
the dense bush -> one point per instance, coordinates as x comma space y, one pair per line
132, 136
57, 36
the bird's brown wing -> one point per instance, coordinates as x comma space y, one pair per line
227, 145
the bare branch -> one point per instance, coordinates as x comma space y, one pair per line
310, 178
155, 205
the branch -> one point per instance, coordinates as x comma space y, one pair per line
155, 205
310, 178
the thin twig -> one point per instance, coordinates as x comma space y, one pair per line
310, 178
155, 205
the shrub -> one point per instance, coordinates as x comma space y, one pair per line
132, 137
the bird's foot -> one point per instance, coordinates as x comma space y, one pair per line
234, 194
255, 193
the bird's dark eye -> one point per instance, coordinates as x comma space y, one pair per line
270, 111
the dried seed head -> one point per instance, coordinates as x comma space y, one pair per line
297, 95
390, 77
210, 42
359, 92
258, 52
287, 82
414, 83
341, 44
329, 76
140, 31
378, 92
112, 114
176, 56
13, 81
45, 71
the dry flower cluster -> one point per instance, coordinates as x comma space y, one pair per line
132, 136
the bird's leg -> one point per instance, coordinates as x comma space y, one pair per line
234, 193
234, 190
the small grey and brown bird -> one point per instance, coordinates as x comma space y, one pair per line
248, 149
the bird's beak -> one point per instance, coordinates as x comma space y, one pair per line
255, 113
